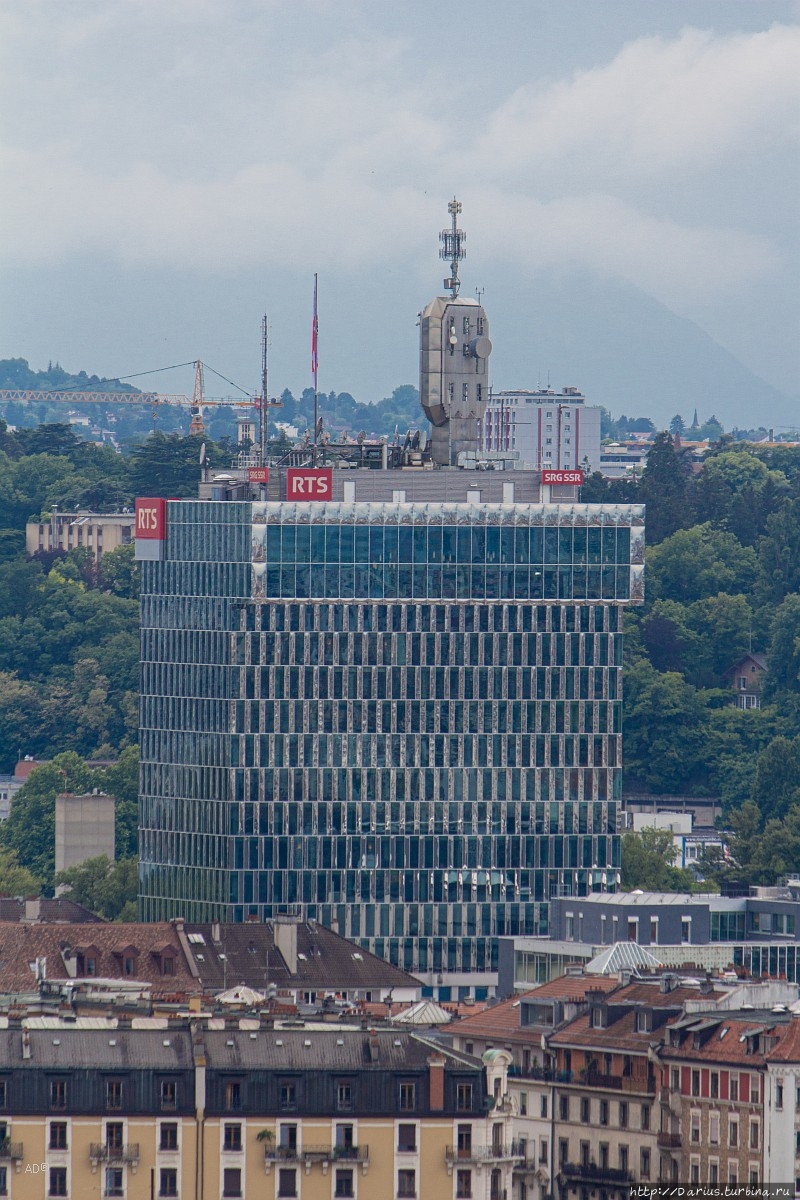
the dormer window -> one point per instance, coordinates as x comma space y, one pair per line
643, 1021
597, 1018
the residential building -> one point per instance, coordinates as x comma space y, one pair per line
746, 677
547, 429
80, 529
690, 844
248, 1110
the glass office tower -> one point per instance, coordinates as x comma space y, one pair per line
402, 719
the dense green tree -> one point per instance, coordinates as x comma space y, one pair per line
14, 879
120, 573
694, 564
648, 862
662, 729
104, 887
29, 829
783, 657
122, 782
166, 466
677, 425
665, 489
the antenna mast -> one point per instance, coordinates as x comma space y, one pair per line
453, 247
262, 424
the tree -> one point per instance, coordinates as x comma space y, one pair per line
783, 657
777, 781
677, 425
662, 729
693, 564
648, 858
120, 573
665, 489
29, 829
106, 888
122, 782
14, 879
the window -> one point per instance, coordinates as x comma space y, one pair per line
114, 1135
169, 1136
169, 1095
406, 1183
464, 1185
543, 1107
734, 1087
3, 1181
603, 1112
407, 1138
563, 1107
57, 1181
686, 930
287, 1094
58, 1095
232, 1138
464, 1135
644, 1163
543, 1148
675, 1079
623, 1115
694, 1128
408, 1097
232, 1181
344, 1141
168, 1181
464, 1097
563, 1150
58, 1135
168, 966
523, 1104
584, 1154
714, 1084
287, 1181
114, 1094
3, 1093
344, 1097
584, 1110
233, 1095
645, 1123
713, 1128
713, 1172
733, 1133
113, 1182
344, 1182
695, 1083
755, 1135
623, 1158
779, 1095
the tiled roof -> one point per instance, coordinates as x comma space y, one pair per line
729, 1043
53, 910
21, 944
324, 960
622, 1033
572, 987
503, 1019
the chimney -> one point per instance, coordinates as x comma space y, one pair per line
373, 1047
436, 1082
215, 932
26, 1043
33, 909
284, 933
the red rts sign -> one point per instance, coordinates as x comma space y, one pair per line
575, 477
151, 519
258, 474
309, 483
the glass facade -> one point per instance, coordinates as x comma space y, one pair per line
401, 718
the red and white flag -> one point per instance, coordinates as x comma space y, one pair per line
314, 337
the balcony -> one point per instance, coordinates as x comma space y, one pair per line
482, 1154
622, 1083
669, 1141
127, 1153
311, 1154
591, 1173
12, 1150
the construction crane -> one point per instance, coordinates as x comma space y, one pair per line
195, 404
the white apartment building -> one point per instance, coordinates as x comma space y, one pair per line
548, 429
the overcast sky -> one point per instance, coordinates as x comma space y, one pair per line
171, 169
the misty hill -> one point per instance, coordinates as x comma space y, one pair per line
16, 374
627, 352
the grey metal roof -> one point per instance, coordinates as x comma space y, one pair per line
75, 1049
330, 1049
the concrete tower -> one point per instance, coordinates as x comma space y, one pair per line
454, 359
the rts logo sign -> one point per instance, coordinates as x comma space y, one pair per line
151, 519
309, 483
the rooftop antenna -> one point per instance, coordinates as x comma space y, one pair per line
262, 425
479, 293
453, 248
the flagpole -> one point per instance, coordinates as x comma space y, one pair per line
315, 365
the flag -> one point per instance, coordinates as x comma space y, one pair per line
314, 336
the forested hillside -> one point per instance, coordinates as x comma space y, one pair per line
723, 577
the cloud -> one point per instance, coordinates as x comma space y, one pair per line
343, 159
660, 106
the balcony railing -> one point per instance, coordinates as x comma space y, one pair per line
591, 1172
480, 1154
126, 1153
358, 1154
12, 1150
621, 1083
546, 1074
670, 1141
